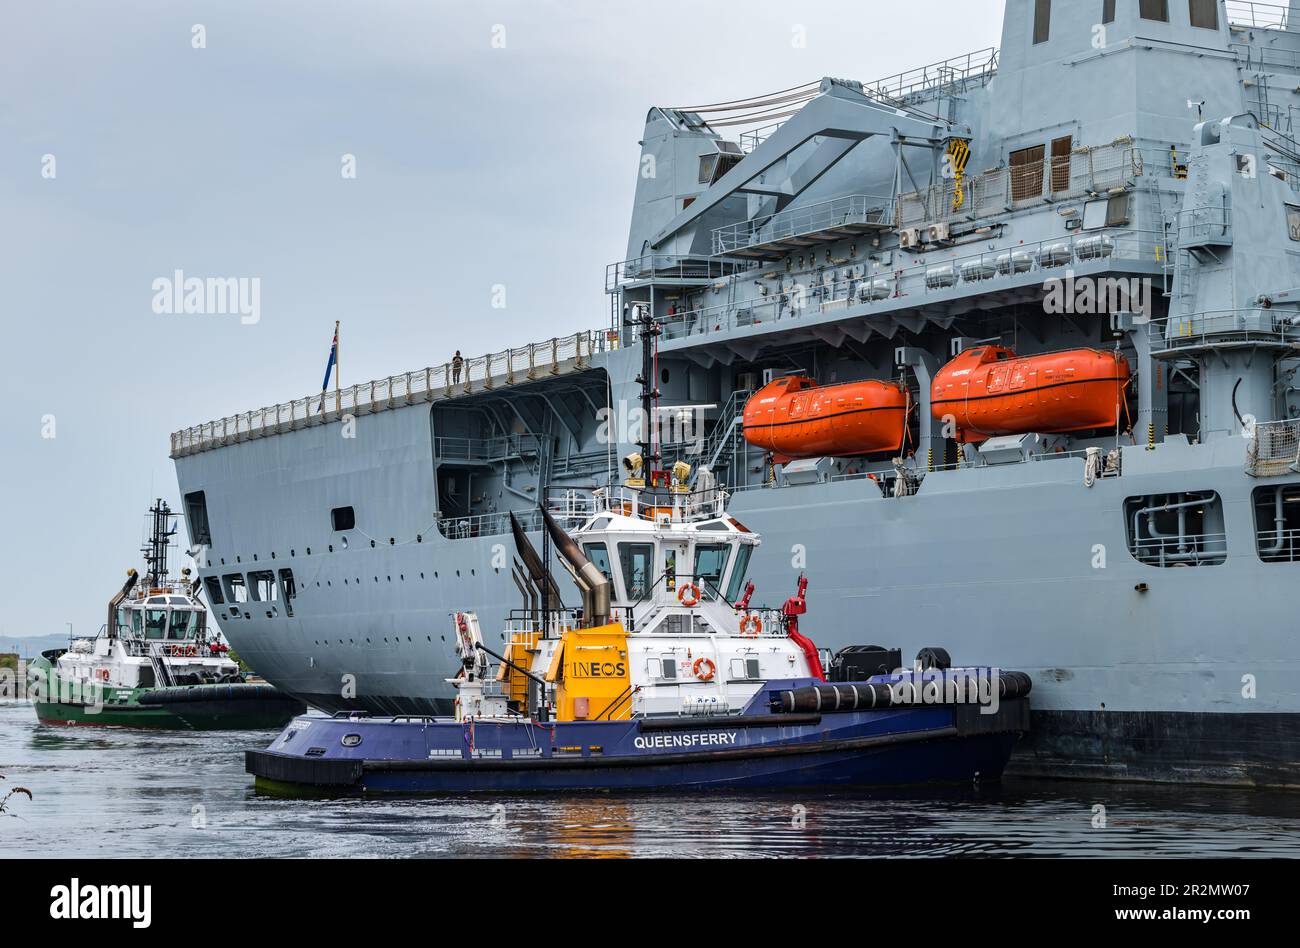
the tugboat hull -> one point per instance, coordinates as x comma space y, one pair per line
895, 747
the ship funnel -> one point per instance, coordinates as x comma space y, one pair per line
593, 583
536, 570
131, 578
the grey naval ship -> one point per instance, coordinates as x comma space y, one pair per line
1116, 186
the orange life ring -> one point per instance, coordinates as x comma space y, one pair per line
102, 674
698, 669
753, 622
191, 651
689, 595
462, 623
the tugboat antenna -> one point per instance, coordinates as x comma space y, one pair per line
162, 529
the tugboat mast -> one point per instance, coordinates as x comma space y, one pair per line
162, 529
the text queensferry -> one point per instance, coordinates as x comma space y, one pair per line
667, 741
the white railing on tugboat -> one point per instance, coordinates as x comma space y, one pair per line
510, 367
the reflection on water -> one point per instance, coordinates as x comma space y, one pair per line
101, 792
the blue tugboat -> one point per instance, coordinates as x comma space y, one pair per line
666, 678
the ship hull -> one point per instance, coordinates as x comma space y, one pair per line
862, 749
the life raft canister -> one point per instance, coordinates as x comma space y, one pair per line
689, 595
751, 625
704, 669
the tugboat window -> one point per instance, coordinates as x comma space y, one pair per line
343, 518
155, 623
1177, 530
710, 564
738, 573
598, 553
635, 559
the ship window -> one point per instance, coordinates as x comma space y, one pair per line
670, 669
1277, 523
1027, 173
196, 515
738, 572
708, 165
1042, 20
635, 560
710, 564
213, 586
1178, 529
1117, 210
1061, 148
737, 668
1108, 11
137, 622
262, 585
1154, 10
1205, 14
751, 668
343, 518
184, 624
236, 591
598, 553
288, 589
155, 623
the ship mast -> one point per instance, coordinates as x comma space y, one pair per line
162, 529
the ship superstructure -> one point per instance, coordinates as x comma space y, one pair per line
1116, 189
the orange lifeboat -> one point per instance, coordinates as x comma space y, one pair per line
794, 418
990, 391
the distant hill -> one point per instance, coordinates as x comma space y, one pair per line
29, 646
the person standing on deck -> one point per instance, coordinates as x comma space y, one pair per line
457, 363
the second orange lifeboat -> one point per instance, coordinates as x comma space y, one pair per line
795, 418
990, 391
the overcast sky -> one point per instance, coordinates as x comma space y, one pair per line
476, 165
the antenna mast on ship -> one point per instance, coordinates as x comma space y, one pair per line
162, 529
649, 332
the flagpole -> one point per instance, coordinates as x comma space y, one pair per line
338, 391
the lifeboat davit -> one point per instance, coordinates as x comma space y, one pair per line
991, 391
795, 418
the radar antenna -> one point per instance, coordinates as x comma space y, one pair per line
162, 527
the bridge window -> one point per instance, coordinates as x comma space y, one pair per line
598, 553
196, 515
1277, 523
1042, 20
1205, 13
636, 560
738, 573
710, 564
1154, 10
343, 518
213, 586
1178, 529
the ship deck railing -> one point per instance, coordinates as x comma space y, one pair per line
664, 268
558, 356
1261, 16
951, 76
776, 235
1181, 335
1093, 170
980, 272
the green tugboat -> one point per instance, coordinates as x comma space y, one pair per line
155, 663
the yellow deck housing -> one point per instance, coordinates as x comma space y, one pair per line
591, 674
